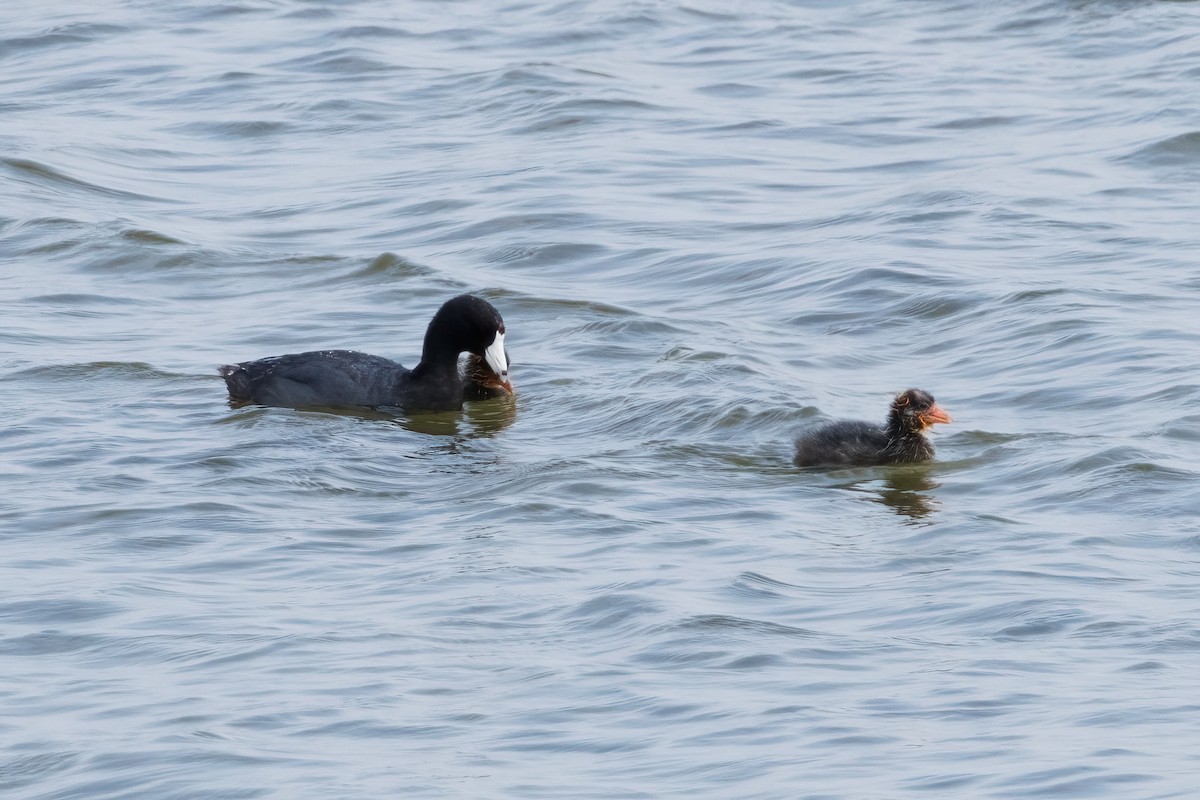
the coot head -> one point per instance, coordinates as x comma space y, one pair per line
468, 324
914, 411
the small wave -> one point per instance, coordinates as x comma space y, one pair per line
349, 62
1181, 149
1178, 154
64, 35
42, 174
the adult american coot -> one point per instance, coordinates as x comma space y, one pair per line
851, 443
349, 379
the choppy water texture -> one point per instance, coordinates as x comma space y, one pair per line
708, 225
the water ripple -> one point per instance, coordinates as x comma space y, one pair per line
707, 228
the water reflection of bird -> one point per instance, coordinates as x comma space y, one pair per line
901, 440
903, 492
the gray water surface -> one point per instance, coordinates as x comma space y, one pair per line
708, 226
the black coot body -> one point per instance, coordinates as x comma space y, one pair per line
349, 379
900, 440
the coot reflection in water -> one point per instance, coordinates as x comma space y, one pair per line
903, 490
349, 379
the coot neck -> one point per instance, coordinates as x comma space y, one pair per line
904, 443
440, 351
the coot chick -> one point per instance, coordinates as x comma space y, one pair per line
851, 443
348, 379
481, 382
